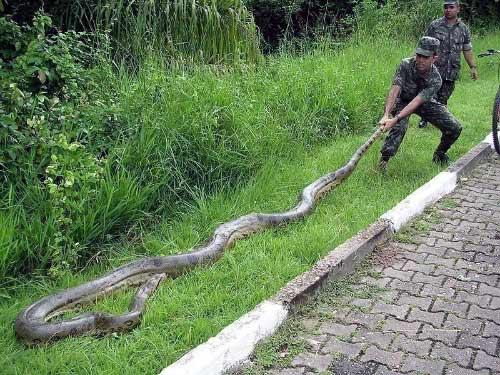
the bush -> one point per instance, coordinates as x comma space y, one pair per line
44, 84
49, 147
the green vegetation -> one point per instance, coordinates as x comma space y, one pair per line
203, 31
104, 161
210, 31
53, 123
157, 138
188, 310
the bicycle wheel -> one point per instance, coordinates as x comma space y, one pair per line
496, 122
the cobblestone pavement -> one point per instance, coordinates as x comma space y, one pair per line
427, 303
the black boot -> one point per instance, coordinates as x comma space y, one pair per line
441, 158
382, 165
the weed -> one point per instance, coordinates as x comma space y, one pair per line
281, 348
448, 203
406, 235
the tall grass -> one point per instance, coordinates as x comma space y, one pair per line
204, 131
396, 19
210, 31
29, 228
8, 242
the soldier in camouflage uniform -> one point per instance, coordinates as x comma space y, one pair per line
414, 87
455, 38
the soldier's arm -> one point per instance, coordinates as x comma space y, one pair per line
411, 107
388, 123
469, 57
397, 83
391, 99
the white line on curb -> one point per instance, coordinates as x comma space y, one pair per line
489, 139
233, 344
413, 205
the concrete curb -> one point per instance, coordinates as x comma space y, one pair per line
489, 139
469, 161
338, 261
413, 205
235, 343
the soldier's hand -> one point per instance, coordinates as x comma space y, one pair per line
473, 74
386, 123
383, 120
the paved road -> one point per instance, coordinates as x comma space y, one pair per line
427, 303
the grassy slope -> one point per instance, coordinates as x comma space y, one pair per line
188, 310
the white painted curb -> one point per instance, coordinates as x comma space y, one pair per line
413, 205
489, 139
233, 344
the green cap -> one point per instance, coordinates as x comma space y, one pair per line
427, 46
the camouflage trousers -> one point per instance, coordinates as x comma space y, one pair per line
435, 113
445, 91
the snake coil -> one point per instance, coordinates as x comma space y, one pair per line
33, 325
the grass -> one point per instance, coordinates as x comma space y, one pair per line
187, 311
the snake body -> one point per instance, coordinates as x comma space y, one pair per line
36, 325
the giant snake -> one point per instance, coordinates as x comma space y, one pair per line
36, 325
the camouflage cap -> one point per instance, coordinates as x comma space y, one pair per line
427, 46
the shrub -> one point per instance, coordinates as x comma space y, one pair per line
48, 146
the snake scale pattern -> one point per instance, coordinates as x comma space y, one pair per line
36, 324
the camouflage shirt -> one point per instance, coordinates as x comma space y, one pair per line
413, 84
454, 39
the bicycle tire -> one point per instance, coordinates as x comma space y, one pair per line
496, 122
